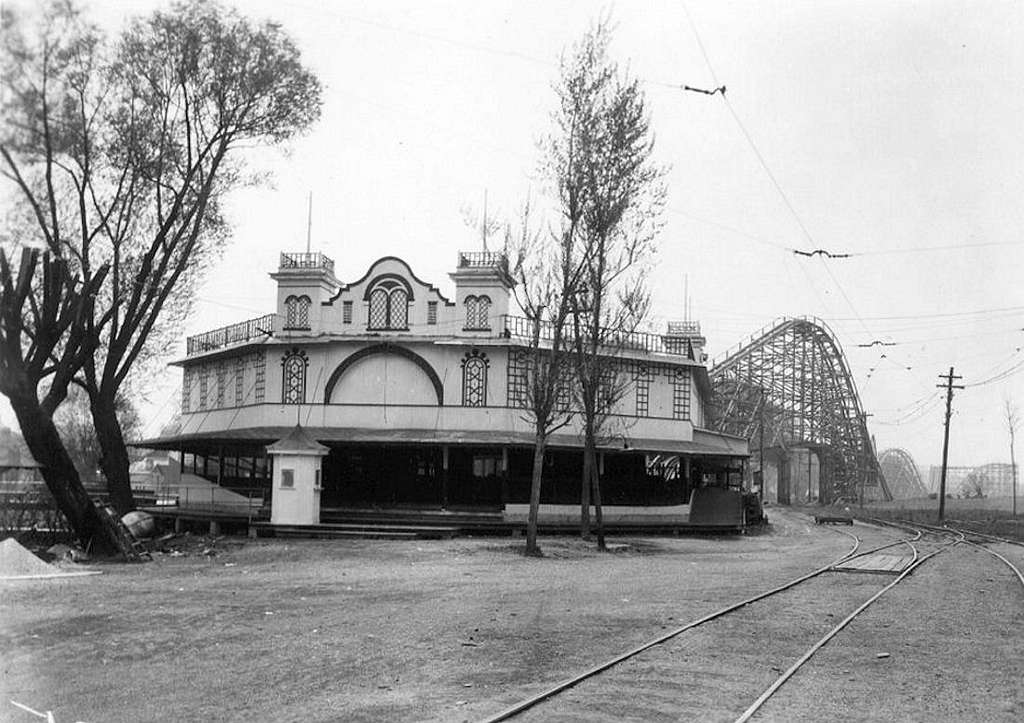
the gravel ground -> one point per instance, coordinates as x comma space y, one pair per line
435, 630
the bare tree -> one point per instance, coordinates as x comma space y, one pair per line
1013, 421
44, 310
124, 152
546, 273
75, 424
599, 159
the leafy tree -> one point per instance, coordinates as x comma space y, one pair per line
598, 157
122, 152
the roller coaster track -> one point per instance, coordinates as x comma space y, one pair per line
901, 474
790, 385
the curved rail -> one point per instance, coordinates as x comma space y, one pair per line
986, 536
590, 673
784, 677
992, 538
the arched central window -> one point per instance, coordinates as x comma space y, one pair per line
389, 305
474, 379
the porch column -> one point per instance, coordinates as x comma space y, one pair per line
504, 475
444, 477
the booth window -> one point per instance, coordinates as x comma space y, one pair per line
287, 478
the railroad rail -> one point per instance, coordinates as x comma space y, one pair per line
554, 690
924, 543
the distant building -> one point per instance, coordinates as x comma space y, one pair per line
419, 399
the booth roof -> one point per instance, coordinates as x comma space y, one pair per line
297, 440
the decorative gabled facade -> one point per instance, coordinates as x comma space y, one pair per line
420, 399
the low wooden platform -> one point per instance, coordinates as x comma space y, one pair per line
357, 531
893, 564
832, 520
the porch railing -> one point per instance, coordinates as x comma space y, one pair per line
234, 334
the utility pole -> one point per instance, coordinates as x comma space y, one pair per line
945, 440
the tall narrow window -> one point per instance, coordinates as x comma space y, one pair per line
239, 380
204, 385
516, 383
259, 385
346, 312
432, 313
642, 381
474, 379
681, 394
186, 390
398, 301
222, 382
294, 366
483, 312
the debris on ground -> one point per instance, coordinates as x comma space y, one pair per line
67, 553
16, 562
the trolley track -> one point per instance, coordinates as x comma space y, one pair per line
913, 542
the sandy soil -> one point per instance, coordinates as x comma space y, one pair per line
432, 630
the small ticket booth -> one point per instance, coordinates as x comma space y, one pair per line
295, 498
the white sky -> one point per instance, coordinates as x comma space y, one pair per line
892, 128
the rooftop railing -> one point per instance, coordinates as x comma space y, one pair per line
234, 334
684, 328
522, 329
306, 260
483, 260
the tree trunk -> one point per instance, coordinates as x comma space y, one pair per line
538, 470
61, 477
585, 496
1013, 474
114, 453
595, 477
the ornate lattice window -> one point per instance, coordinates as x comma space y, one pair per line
474, 379
222, 382
681, 394
398, 302
204, 385
608, 388
259, 385
642, 382
516, 385
563, 392
186, 390
239, 380
389, 306
294, 365
296, 309
478, 310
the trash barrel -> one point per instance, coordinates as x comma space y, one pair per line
140, 524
